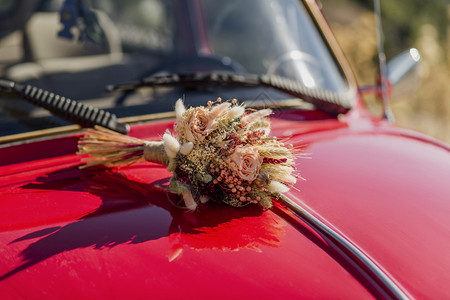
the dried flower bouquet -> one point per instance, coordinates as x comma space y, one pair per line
221, 152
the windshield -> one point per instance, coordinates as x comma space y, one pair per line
252, 36
119, 41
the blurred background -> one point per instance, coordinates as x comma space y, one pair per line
406, 23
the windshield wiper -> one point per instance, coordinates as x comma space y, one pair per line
331, 102
65, 108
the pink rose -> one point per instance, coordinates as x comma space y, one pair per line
199, 124
246, 162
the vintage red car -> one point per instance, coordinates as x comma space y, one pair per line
369, 220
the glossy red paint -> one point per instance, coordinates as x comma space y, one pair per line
388, 193
100, 233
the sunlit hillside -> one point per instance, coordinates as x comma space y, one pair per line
427, 109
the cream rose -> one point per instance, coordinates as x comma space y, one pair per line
246, 162
199, 124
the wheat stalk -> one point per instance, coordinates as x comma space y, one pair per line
106, 147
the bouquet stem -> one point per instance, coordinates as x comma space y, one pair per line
106, 147
154, 152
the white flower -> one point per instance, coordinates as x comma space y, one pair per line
277, 187
249, 119
189, 200
171, 145
235, 111
218, 110
179, 109
186, 148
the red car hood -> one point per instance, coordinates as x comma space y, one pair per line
100, 233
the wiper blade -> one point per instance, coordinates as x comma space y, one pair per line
189, 80
65, 108
332, 102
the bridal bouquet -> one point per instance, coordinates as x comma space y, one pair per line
220, 152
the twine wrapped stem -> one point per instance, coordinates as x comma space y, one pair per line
154, 152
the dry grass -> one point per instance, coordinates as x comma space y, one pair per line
427, 109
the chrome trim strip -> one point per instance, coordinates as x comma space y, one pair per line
340, 240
